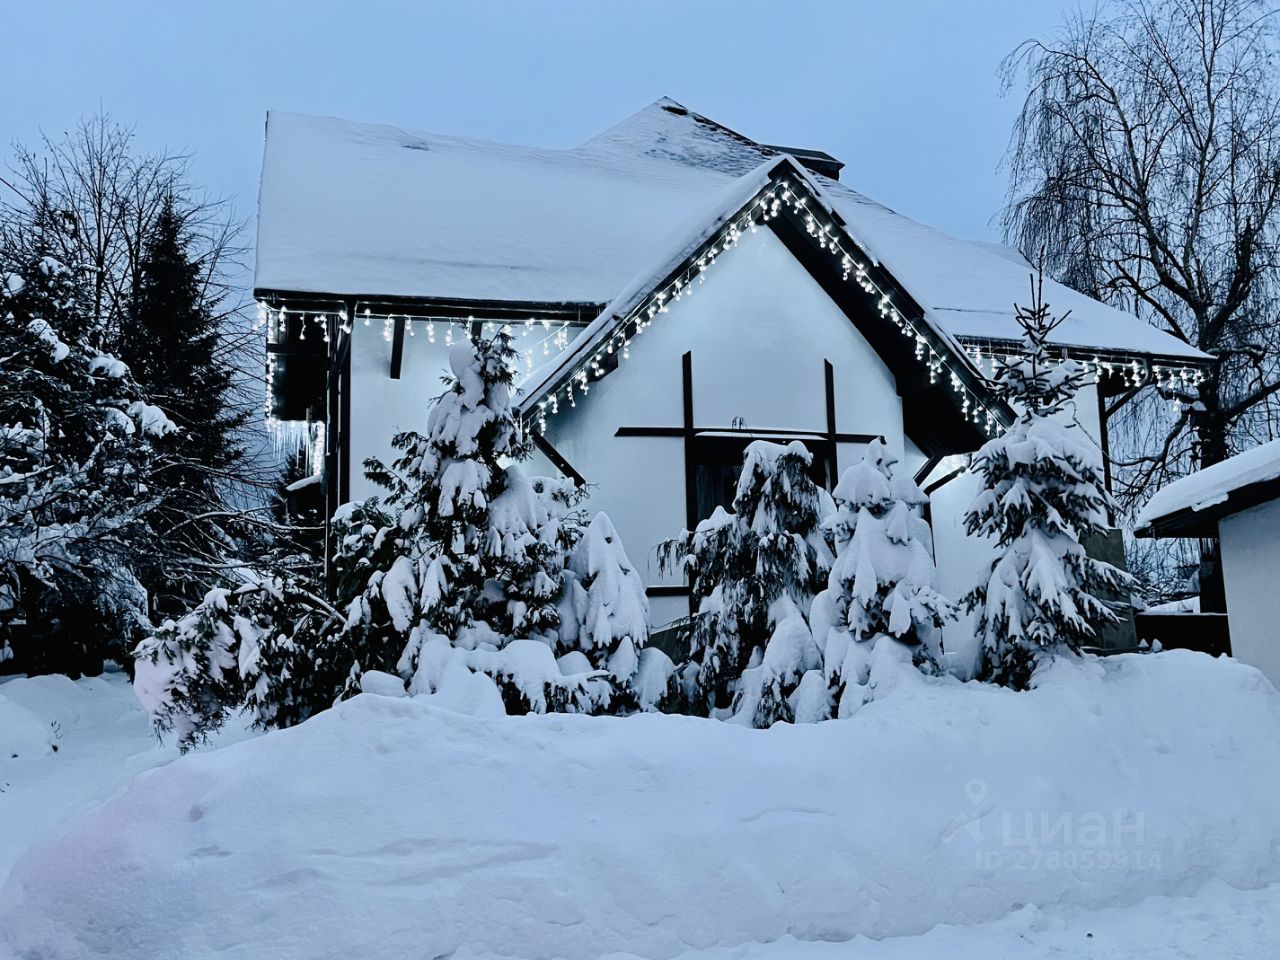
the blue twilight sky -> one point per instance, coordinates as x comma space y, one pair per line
904, 92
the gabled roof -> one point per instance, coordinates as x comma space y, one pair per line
366, 210
946, 398
1192, 506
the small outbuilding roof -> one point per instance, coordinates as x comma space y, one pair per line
364, 211
1192, 506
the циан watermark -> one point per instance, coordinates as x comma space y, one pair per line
1052, 840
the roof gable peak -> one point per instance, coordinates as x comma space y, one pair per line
778, 194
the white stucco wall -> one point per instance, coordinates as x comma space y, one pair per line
1251, 572
758, 330
382, 407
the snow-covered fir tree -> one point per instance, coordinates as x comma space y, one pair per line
882, 585
753, 573
1041, 496
456, 582
475, 550
271, 647
77, 452
604, 620
171, 338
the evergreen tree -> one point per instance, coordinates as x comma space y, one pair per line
271, 647
472, 560
882, 583
456, 582
605, 619
1042, 494
170, 341
740, 565
76, 462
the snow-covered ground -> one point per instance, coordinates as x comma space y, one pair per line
65, 747
1124, 808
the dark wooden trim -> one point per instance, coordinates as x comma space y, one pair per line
332, 428
649, 432
690, 478
444, 307
690, 475
943, 481
829, 384
307, 348
1203, 523
397, 348
829, 379
923, 473
1110, 411
554, 455
884, 336
931, 407
1077, 352
763, 433
344, 415
667, 590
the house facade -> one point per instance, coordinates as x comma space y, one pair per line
675, 290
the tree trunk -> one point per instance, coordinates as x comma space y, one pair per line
1211, 447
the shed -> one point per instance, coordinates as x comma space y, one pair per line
1237, 501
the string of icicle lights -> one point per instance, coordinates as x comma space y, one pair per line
536, 339
853, 267
1180, 383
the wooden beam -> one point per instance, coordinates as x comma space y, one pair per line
578, 312
762, 433
829, 382
397, 348
923, 473
344, 412
554, 455
667, 590
944, 480
1104, 442
690, 477
1110, 411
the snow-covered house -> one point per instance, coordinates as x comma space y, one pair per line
676, 289
1237, 502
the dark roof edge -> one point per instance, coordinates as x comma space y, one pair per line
1190, 522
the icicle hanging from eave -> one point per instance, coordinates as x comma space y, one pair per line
293, 437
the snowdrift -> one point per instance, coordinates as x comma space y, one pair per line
391, 828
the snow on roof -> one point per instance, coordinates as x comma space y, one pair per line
680, 243
369, 210
1212, 485
680, 246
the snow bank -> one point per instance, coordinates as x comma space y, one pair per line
66, 745
1213, 484
390, 828
1219, 922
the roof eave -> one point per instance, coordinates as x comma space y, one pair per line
1203, 522
621, 309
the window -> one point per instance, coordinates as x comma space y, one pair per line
717, 464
